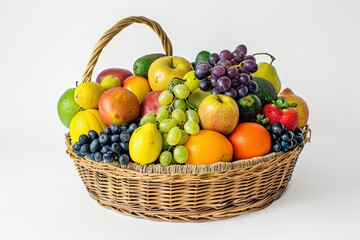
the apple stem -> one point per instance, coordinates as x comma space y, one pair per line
268, 54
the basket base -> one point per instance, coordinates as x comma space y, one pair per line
187, 215
197, 196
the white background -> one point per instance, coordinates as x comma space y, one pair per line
45, 46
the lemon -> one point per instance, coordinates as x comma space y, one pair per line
67, 108
191, 81
145, 144
87, 94
110, 81
85, 121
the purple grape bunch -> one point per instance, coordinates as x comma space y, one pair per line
228, 73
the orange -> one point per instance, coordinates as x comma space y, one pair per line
137, 85
250, 140
208, 147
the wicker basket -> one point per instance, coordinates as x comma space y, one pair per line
183, 192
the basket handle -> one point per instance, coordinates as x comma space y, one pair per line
120, 25
307, 133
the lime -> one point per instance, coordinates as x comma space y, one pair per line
87, 94
110, 81
67, 108
202, 56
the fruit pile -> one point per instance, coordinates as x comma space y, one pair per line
222, 107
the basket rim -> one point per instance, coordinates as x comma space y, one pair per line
156, 169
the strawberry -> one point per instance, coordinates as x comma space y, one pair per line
281, 111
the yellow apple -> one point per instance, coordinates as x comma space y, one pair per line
219, 113
164, 69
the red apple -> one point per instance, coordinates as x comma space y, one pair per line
118, 105
219, 113
120, 73
150, 104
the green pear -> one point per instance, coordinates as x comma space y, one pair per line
197, 96
268, 72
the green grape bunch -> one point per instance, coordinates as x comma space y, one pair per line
176, 119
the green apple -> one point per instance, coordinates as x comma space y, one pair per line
191, 81
219, 113
164, 69
110, 81
120, 73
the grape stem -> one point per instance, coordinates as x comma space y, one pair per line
235, 66
174, 82
230, 66
268, 54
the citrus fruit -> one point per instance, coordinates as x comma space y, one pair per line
137, 85
250, 140
208, 147
67, 108
202, 56
87, 94
145, 144
85, 121
191, 81
110, 81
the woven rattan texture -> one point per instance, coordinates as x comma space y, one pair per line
114, 30
176, 193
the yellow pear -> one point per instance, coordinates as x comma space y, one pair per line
268, 72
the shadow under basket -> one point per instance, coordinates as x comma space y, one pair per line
183, 192
191, 193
